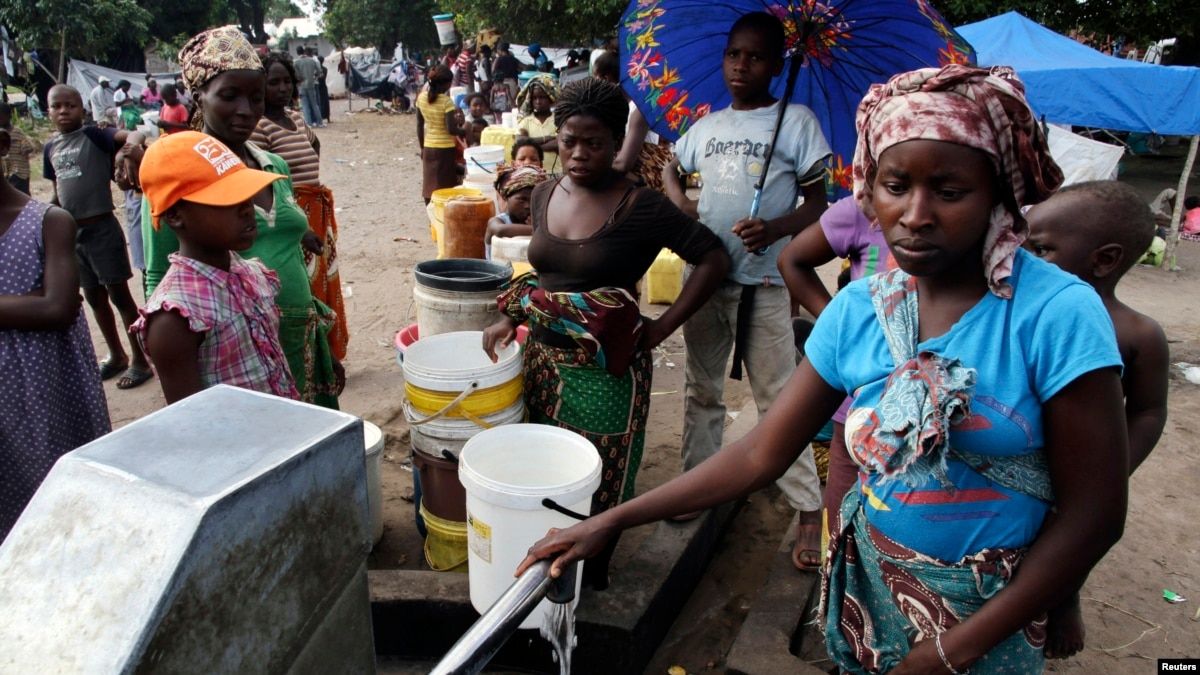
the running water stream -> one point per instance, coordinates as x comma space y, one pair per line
558, 627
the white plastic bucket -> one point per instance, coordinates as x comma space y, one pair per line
440, 312
373, 440
452, 361
485, 183
508, 120
450, 434
507, 472
511, 249
445, 28
482, 159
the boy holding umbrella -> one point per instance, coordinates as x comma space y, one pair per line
750, 314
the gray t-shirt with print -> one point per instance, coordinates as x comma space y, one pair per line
728, 149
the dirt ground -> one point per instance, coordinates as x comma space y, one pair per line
370, 161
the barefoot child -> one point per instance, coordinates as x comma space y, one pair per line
1097, 231
515, 187
79, 161
750, 314
212, 319
53, 401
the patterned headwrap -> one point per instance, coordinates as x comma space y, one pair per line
215, 51
512, 181
548, 84
979, 108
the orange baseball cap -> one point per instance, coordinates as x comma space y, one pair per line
199, 168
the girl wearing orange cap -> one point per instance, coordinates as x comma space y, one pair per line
212, 319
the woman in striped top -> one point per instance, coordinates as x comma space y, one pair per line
282, 131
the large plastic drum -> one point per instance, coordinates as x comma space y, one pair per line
437, 213
466, 223
507, 472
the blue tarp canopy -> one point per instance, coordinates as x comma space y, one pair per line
1071, 83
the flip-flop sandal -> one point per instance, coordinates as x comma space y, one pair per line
109, 370
134, 377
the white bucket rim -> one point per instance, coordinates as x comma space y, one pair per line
506, 368
373, 439
522, 497
484, 151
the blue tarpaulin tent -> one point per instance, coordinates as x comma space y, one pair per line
1071, 83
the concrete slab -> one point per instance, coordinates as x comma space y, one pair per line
418, 615
779, 623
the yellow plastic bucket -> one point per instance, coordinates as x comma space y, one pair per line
445, 543
482, 402
437, 224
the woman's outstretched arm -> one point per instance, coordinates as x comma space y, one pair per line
746, 465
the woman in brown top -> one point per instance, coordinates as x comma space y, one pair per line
588, 365
282, 130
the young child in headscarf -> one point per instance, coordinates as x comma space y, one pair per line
515, 187
976, 412
536, 102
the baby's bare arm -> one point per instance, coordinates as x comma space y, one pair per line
1145, 384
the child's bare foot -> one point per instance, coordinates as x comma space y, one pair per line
1064, 629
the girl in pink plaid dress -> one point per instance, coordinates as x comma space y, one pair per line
212, 319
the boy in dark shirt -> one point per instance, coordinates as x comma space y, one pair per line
79, 161
1097, 231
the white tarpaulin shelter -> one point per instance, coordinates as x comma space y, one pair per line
557, 55
1080, 158
85, 76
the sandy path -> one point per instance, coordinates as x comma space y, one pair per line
371, 164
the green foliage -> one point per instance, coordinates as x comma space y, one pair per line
550, 22
172, 18
381, 23
278, 10
90, 26
1140, 21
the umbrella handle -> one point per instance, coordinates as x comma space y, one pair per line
754, 214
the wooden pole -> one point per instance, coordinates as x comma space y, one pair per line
1168, 262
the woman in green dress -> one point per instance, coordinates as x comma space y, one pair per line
229, 82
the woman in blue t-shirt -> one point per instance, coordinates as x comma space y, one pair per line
976, 411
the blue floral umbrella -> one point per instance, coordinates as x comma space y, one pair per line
837, 49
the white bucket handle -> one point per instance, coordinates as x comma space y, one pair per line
555, 506
485, 169
410, 413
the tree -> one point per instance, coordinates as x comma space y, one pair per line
251, 18
1139, 21
278, 10
550, 22
381, 23
174, 21
83, 28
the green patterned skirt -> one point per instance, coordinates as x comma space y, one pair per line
565, 388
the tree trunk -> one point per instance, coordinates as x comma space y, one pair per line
259, 14
1168, 261
62, 56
